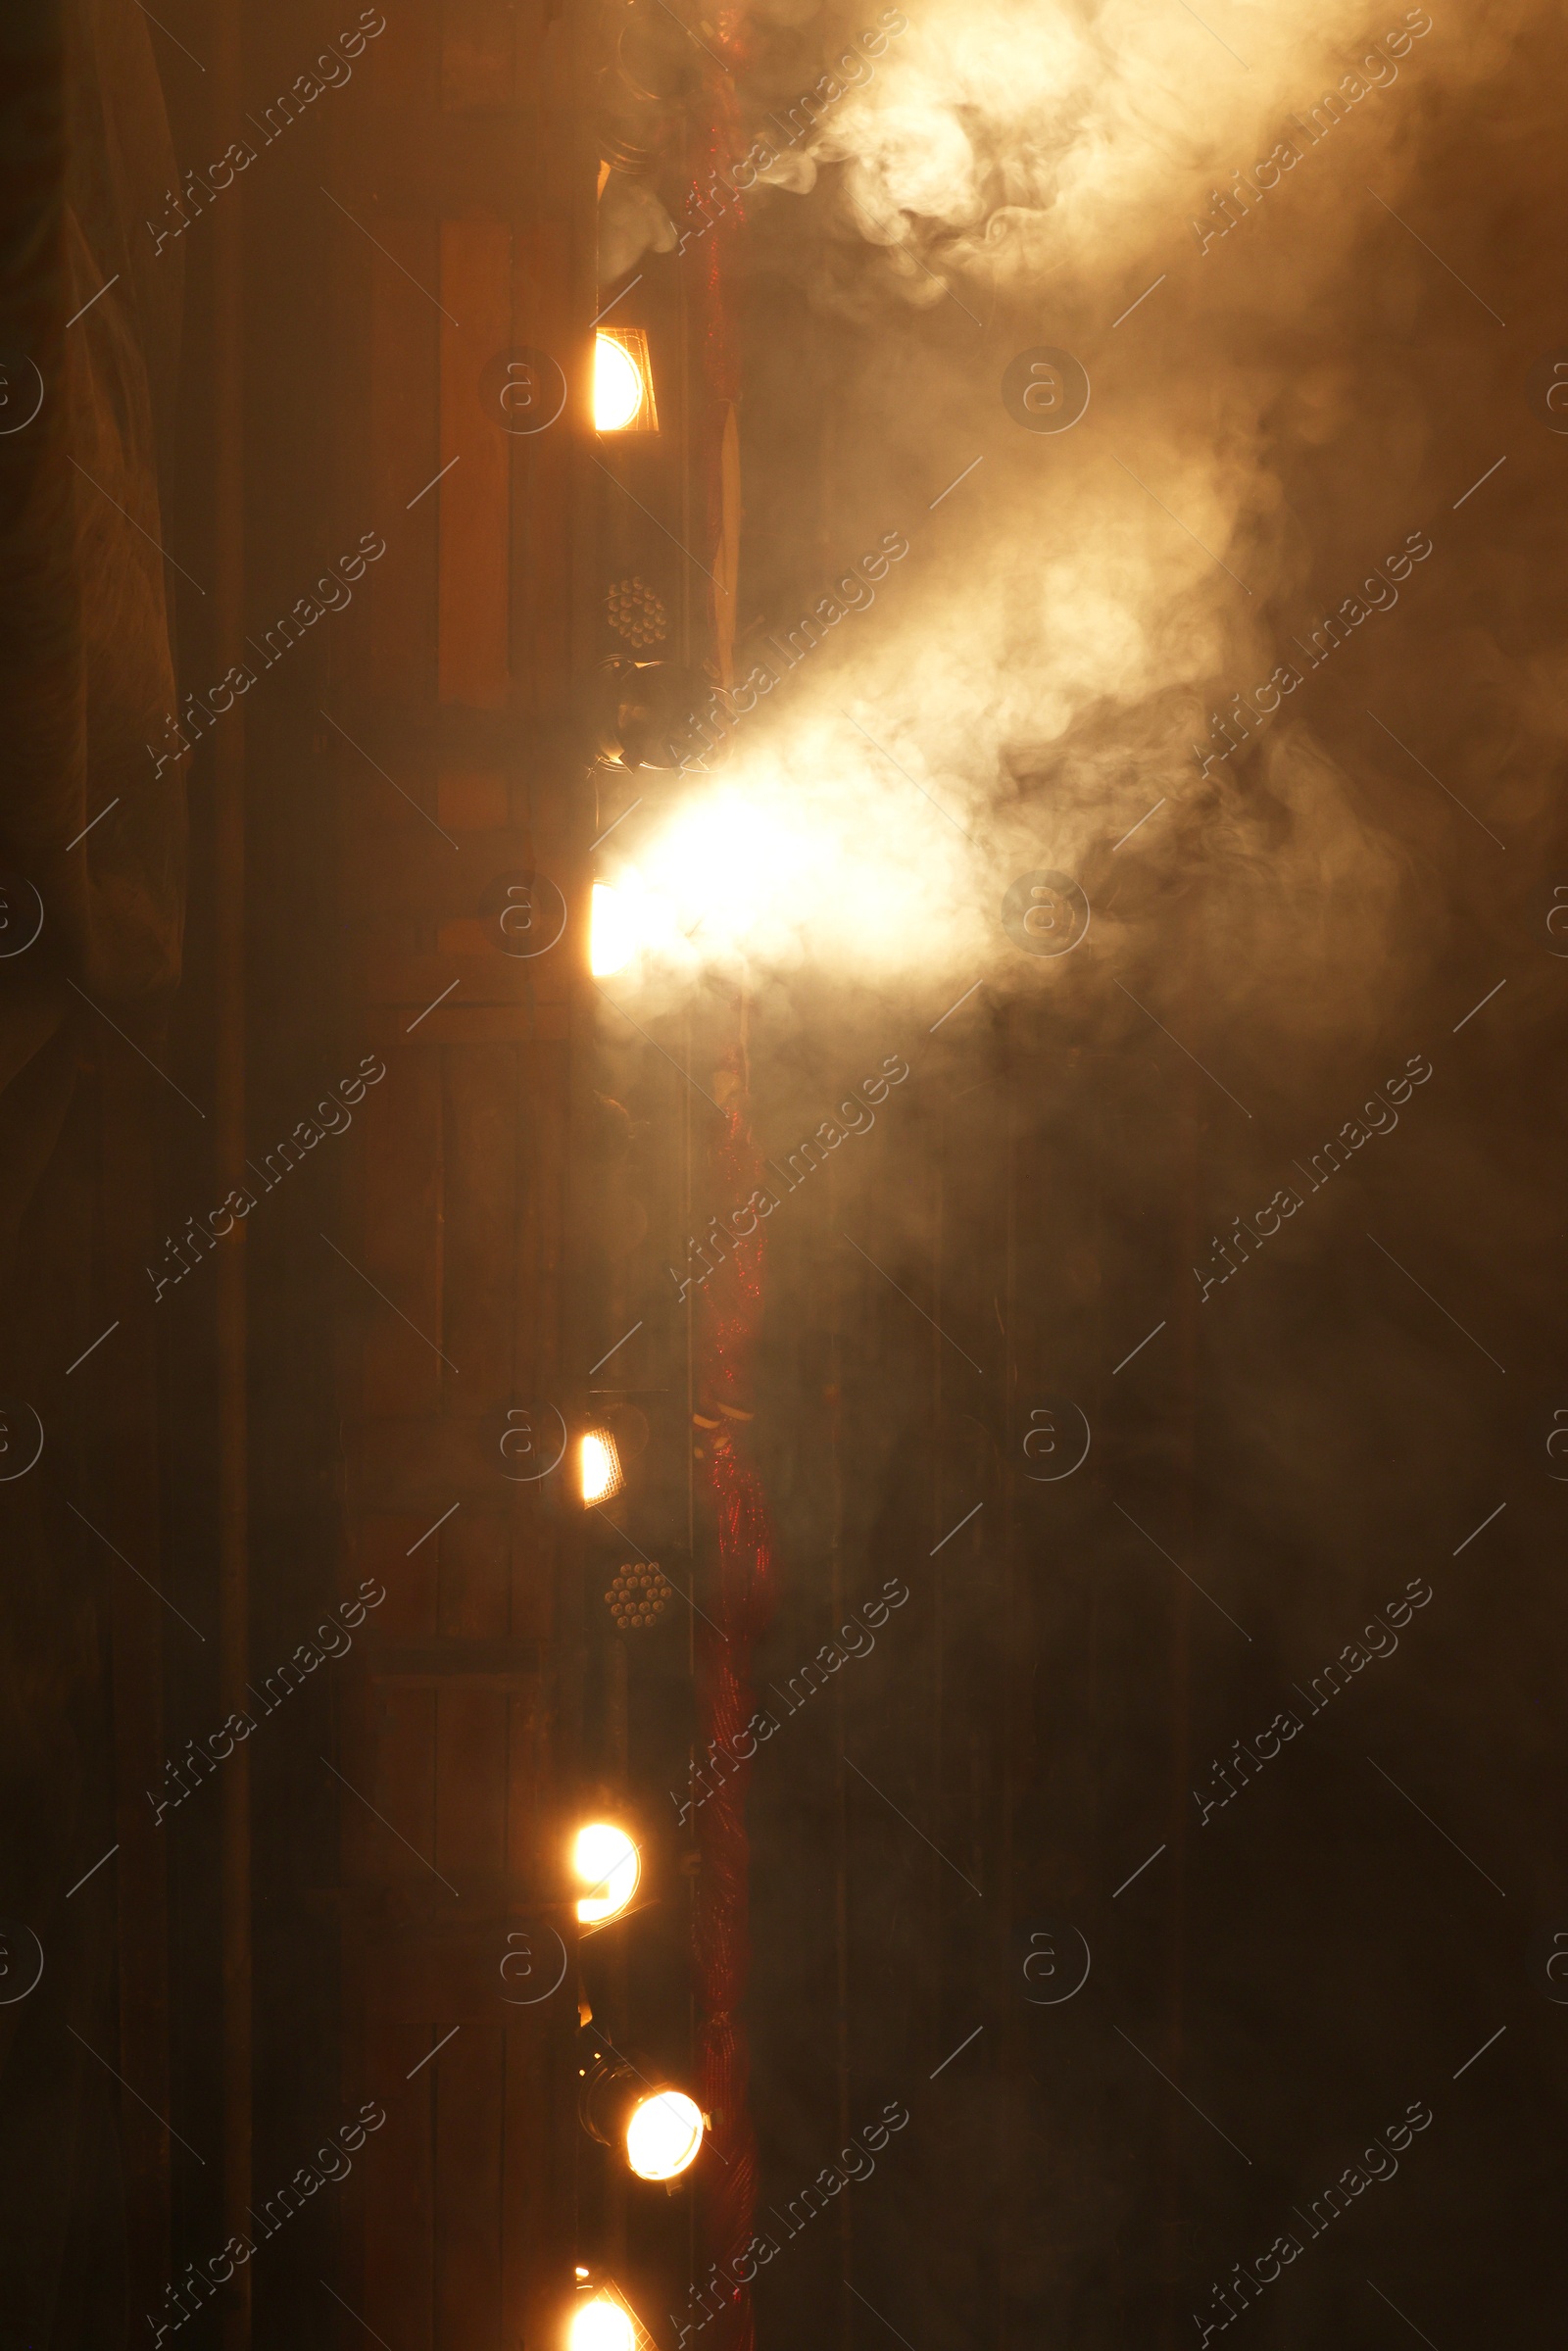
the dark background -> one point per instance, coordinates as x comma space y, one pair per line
1300, 1445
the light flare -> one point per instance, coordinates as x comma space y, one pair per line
623, 381
663, 2134
606, 1862
842, 870
599, 1469
601, 2324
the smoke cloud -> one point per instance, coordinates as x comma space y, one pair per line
1208, 214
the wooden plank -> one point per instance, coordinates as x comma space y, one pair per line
405, 162
545, 482
475, 797
405, 61
424, 1972
508, 1666
467, 2202
534, 1553
400, 587
472, 1779
398, 1848
475, 1561
478, 53
399, 2282
489, 977
525, 2216
461, 1173
527, 1860
540, 1256
475, 600
480, 1156
405, 1556
529, 1023
424, 1463
399, 1256
125, 1392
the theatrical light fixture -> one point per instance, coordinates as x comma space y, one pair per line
627, 919
658, 2129
623, 381
612, 938
648, 713
663, 2134
599, 1469
607, 1863
602, 2323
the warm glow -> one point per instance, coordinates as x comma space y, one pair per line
619, 385
606, 1861
612, 931
663, 2134
598, 1466
602, 2324
627, 918
832, 863
729, 861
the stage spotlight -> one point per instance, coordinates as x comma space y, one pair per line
599, 1467
612, 938
657, 2128
606, 1862
663, 2134
623, 381
626, 919
602, 2323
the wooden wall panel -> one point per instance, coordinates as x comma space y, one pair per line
405, 439
545, 492
480, 1154
398, 2286
125, 1395
402, 1253
480, 52
401, 1842
457, 1694
405, 1558
475, 520
473, 1577
542, 1254
469, 2123
473, 799
527, 1820
471, 1783
532, 1578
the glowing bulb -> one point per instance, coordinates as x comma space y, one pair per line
611, 931
618, 385
735, 869
606, 1861
625, 920
600, 2324
599, 1465
663, 2134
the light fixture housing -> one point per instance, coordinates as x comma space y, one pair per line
656, 2129
647, 714
607, 1865
623, 381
